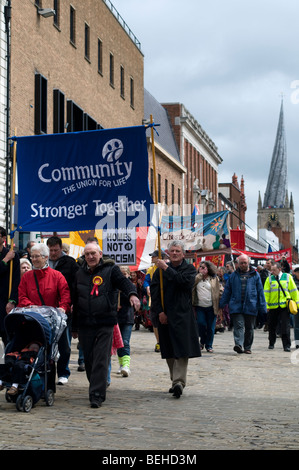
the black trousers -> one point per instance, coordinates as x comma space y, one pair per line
279, 315
96, 344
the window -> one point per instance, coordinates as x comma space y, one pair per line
58, 112
166, 192
56, 7
87, 42
40, 108
111, 69
152, 183
89, 123
159, 188
75, 117
132, 92
72, 25
122, 82
100, 57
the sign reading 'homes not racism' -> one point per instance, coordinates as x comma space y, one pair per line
85, 180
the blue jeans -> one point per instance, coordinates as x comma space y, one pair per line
206, 321
243, 329
126, 331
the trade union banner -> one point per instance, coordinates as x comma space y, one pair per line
83, 181
200, 233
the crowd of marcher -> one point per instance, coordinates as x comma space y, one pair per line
184, 306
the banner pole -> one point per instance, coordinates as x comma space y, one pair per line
156, 203
14, 161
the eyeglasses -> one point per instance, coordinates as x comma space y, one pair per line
36, 256
202, 267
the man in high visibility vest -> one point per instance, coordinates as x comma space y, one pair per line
277, 289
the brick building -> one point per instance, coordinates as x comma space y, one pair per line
199, 155
3, 112
74, 66
232, 197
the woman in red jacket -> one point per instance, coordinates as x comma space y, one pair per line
53, 288
46, 286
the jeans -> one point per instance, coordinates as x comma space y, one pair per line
243, 329
126, 331
206, 321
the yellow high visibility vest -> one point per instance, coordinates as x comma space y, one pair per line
274, 295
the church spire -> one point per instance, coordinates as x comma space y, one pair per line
275, 194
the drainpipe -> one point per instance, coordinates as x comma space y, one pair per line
7, 16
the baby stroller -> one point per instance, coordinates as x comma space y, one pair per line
44, 325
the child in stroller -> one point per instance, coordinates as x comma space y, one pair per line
17, 365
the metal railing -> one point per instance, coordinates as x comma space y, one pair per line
123, 23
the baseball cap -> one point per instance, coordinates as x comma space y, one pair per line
156, 253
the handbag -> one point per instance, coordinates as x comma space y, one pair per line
291, 304
40, 296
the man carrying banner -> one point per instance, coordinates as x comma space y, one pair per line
8, 299
172, 305
95, 314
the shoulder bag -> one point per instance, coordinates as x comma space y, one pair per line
40, 295
291, 304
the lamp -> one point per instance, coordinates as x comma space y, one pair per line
46, 12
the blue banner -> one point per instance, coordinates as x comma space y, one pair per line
198, 232
82, 181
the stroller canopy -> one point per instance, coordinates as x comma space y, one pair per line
28, 326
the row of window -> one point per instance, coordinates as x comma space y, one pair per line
166, 200
87, 46
76, 119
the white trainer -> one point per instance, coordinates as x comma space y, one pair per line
62, 380
125, 371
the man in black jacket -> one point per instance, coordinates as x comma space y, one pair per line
67, 265
8, 299
95, 314
172, 305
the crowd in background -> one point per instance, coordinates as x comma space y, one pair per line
235, 297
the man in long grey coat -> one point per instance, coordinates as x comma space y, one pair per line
177, 327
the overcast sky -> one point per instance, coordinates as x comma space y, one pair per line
228, 62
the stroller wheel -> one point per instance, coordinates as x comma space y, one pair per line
27, 403
19, 403
8, 397
49, 398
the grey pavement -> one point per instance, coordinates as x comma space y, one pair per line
231, 402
